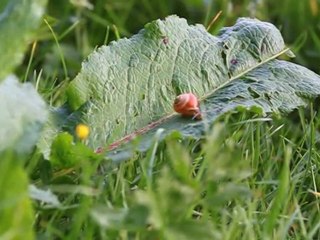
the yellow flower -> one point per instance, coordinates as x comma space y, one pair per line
82, 131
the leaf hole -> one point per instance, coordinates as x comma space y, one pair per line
249, 80
224, 56
267, 96
205, 74
253, 93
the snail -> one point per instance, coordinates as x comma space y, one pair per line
187, 104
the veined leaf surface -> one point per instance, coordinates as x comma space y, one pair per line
133, 82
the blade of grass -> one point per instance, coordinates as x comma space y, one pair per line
214, 19
116, 32
59, 50
280, 197
107, 36
68, 30
33, 49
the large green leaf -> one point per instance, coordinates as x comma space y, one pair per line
17, 22
23, 113
133, 82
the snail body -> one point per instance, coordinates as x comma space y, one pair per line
187, 104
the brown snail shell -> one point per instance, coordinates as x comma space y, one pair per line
187, 104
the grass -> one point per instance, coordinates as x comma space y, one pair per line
245, 180
250, 177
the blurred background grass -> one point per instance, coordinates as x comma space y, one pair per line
83, 25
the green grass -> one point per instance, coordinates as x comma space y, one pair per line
247, 179
250, 177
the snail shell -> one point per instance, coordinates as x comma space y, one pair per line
187, 104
